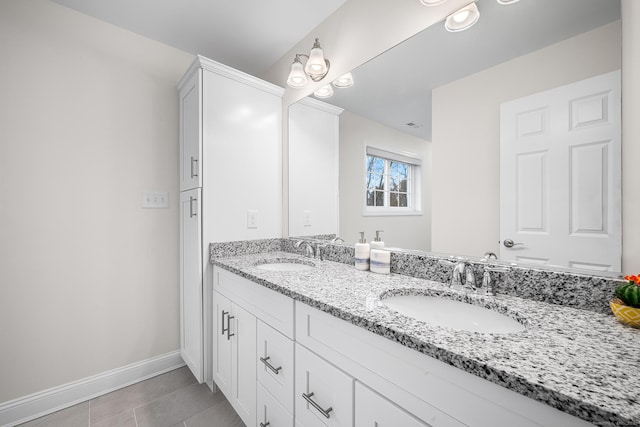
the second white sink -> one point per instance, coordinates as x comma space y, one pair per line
284, 266
453, 314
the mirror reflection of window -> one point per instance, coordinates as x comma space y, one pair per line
390, 182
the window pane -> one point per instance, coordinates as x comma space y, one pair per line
403, 185
403, 170
393, 168
394, 184
393, 199
371, 198
379, 198
403, 200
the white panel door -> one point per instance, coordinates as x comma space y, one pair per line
560, 180
190, 134
191, 282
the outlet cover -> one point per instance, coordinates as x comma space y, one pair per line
155, 200
306, 218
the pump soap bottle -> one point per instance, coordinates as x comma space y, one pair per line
362, 253
377, 241
380, 259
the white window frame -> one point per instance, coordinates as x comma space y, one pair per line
414, 187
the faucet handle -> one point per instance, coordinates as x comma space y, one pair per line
487, 281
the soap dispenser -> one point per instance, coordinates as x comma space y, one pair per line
377, 241
362, 253
380, 259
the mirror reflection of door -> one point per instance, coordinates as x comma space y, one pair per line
560, 178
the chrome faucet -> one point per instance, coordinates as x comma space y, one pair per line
462, 277
337, 239
309, 250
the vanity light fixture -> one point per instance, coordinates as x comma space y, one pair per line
316, 67
463, 18
343, 81
432, 2
325, 91
506, 2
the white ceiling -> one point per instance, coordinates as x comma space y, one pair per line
249, 35
394, 88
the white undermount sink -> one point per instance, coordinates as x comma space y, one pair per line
284, 266
453, 314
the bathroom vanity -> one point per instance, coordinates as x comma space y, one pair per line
317, 346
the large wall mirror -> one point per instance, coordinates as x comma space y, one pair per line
437, 97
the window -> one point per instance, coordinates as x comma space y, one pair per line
391, 182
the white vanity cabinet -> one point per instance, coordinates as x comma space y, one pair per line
253, 353
230, 132
373, 410
191, 280
235, 348
324, 393
435, 393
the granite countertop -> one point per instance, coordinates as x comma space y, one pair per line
581, 362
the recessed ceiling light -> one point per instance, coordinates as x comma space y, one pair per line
462, 19
344, 81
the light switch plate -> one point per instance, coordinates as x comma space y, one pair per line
155, 199
306, 219
252, 219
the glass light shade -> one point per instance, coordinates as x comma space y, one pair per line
508, 1
462, 19
325, 91
344, 81
432, 2
316, 66
297, 78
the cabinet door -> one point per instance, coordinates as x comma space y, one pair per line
191, 336
270, 412
191, 133
222, 374
373, 410
275, 364
323, 393
242, 325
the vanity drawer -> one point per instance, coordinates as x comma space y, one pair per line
270, 412
271, 307
324, 393
275, 364
373, 410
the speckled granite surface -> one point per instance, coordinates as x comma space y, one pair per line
581, 362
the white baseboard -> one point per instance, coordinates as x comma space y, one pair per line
35, 405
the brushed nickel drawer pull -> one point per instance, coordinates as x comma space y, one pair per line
191, 212
229, 327
224, 313
324, 412
193, 160
265, 360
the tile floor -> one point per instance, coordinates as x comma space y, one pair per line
173, 399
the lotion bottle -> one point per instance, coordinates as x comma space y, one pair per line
377, 241
362, 253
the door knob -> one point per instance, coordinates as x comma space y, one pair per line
508, 243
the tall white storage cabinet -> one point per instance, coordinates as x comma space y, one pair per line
230, 168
